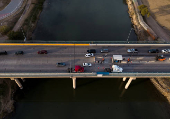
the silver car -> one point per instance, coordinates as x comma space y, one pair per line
87, 64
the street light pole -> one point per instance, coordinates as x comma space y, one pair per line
70, 64
74, 54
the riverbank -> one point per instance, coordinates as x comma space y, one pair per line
32, 17
163, 86
7, 89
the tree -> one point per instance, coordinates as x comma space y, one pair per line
4, 30
144, 10
12, 35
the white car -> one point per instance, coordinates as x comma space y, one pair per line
89, 55
165, 50
87, 64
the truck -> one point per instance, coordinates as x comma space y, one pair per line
116, 68
78, 68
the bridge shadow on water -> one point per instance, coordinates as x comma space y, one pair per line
91, 89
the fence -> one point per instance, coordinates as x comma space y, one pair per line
83, 75
87, 42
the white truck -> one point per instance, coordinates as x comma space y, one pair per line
117, 68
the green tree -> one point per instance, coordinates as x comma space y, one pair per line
4, 30
12, 35
144, 10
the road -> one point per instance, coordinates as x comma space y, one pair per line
12, 6
33, 62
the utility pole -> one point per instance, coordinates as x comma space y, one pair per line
74, 54
70, 63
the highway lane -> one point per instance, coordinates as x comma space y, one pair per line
33, 62
80, 49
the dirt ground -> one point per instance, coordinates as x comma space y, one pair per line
4, 3
160, 11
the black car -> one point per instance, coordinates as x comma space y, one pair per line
3, 53
91, 51
108, 70
153, 51
69, 70
19, 53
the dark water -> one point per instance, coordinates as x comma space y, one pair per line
84, 20
93, 99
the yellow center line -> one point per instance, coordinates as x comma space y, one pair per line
33, 44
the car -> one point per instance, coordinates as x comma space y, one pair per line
104, 51
42, 52
91, 51
89, 55
87, 64
153, 51
160, 58
3, 53
19, 53
69, 70
165, 50
132, 51
61, 64
108, 70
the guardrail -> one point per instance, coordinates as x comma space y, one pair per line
83, 75
16, 9
87, 42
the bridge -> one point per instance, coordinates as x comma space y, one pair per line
33, 65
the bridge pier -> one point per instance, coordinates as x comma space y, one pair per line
124, 78
18, 83
74, 82
129, 81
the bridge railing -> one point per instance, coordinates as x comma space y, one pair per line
69, 75
87, 42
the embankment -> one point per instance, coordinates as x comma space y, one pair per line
139, 25
162, 85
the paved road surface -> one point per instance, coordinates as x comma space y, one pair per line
33, 62
10, 7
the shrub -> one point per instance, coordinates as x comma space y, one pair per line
4, 30
144, 10
12, 35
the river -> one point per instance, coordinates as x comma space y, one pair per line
84, 20
93, 99
87, 20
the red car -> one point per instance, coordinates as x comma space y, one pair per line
42, 52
